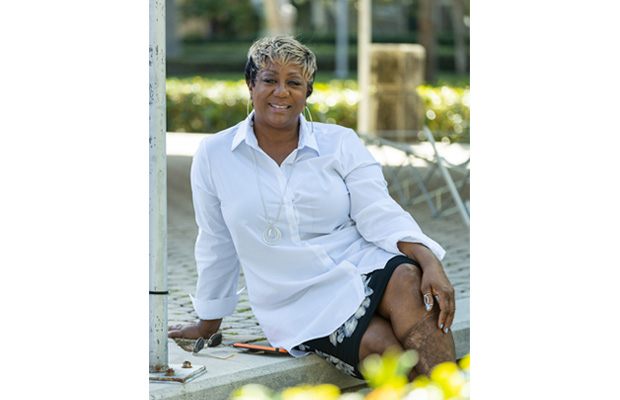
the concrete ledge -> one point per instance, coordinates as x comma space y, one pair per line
224, 376
460, 328
274, 371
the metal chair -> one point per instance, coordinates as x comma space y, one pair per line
400, 182
444, 166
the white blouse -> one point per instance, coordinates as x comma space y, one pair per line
337, 222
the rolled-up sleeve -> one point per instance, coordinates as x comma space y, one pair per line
379, 218
216, 258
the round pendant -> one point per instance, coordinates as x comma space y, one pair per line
271, 235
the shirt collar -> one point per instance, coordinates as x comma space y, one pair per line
245, 133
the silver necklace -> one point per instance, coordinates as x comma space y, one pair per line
271, 234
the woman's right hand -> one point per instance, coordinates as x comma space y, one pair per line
203, 328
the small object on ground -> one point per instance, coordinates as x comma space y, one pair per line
266, 349
214, 340
200, 343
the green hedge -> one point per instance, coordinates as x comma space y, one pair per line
203, 105
446, 111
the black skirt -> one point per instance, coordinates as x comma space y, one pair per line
341, 348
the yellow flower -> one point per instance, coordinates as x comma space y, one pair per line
390, 369
464, 363
252, 392
384, 393
307, 392
448, 376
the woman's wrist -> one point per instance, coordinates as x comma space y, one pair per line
418, 252
208, 326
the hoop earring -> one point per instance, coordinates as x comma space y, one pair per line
310, 118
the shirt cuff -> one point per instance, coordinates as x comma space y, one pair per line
215, 309
391, 243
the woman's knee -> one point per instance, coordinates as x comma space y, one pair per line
407, 274
402, 291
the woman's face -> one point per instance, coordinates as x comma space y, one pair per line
279, 96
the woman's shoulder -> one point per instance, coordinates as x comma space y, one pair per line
333, 131
335, 136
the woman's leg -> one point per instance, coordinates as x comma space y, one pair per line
379, 337
402, 306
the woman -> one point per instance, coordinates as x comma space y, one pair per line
332, 264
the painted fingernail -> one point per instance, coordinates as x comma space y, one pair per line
428, 307
441, 326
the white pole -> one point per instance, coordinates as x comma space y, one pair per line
364, 36
158, 269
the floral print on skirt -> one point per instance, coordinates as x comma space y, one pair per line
341, 348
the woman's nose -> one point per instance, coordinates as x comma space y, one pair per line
281, 90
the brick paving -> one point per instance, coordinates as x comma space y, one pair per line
448, 230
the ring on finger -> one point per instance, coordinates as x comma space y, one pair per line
428, 300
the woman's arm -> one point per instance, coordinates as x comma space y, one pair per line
382, 221
216, 259
434, 282
378, 217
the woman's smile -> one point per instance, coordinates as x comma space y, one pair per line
279, 96
278, 106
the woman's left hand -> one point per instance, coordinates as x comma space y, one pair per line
435, 283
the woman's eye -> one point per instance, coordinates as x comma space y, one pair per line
294, 83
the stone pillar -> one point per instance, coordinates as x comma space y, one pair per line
396, 110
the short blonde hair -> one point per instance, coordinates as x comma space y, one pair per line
283, 50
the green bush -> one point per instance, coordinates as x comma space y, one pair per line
203, 105
446, 111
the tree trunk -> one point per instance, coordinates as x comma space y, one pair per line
342, 39
173, 44
280, 16
272, 16
458, 27
426, 34
319, 16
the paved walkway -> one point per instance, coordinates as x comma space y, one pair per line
222, 376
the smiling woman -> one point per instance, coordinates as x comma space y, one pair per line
333, 265
279, 75
282, 50
279, 97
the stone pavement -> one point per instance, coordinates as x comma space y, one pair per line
223, 375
